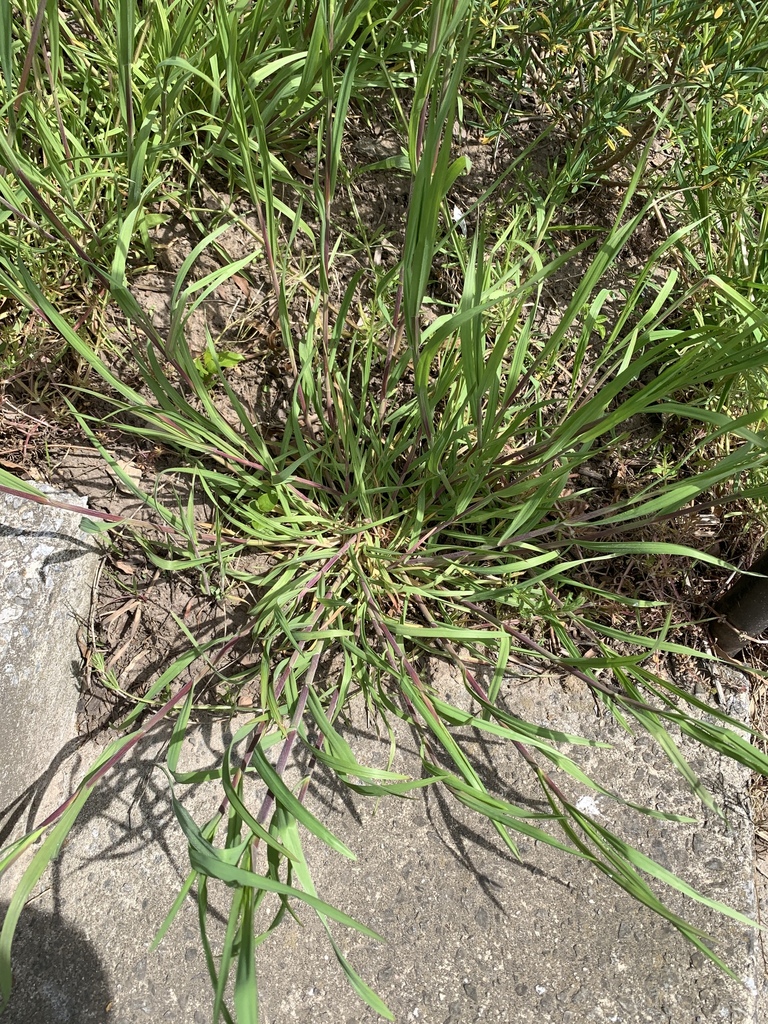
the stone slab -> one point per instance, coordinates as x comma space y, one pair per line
473, 934
47, 566
476, 935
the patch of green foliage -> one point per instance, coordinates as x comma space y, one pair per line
420, 501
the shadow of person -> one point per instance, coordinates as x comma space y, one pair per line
58, 976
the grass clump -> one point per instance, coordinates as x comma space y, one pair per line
424, 495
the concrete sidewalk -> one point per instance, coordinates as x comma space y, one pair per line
472, 933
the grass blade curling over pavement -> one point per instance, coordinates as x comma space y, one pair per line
424, 497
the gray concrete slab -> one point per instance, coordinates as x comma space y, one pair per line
478, 936
47, 566
473, 934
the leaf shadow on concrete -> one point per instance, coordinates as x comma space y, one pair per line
59, 977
